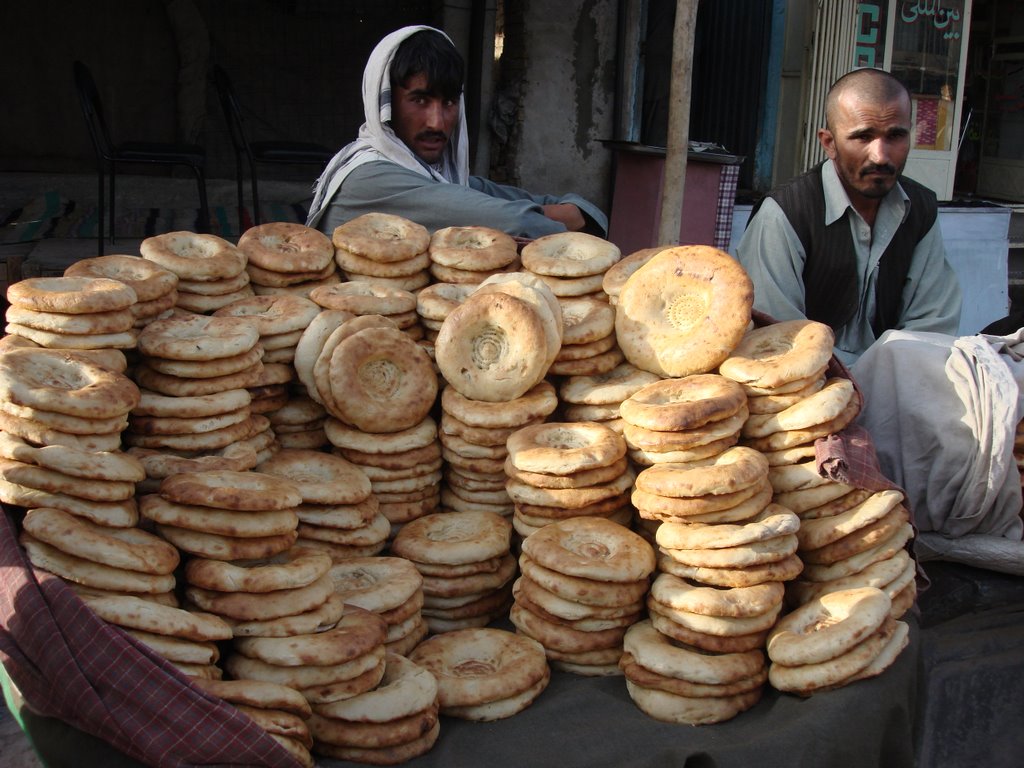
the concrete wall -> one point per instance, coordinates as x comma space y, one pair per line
555, 96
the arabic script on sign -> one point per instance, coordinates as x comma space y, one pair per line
946, 20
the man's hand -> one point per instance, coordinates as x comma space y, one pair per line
568, 214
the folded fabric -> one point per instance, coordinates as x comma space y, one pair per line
942, 412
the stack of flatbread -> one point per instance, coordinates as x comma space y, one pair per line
684, 311
72, 312
100, 559
311, 345
435, 302
403, 467
396, 304
54, 397
833, 640
225, 515
469, 255
617, 274
466, 564
391, 587
252, 595
572, 264
716, 523
589, 345
272, 388
287, 258
848, 543
599, 397
475, 434
328, 665
484, 674
583, 584
62, 417
211, 271
782, 368
279, 320
194, 371
162, 462
281, 711
711, 618
678, 683
560, 470
338, 512
187, 639
369, 374
384, 250
501, 340
299, 421
388, 725
156, 288
820, 414
684, 420
319, 657
724, 550
70, 479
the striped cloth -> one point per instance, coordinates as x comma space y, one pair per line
727, 185
69, 664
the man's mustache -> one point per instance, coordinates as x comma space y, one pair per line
431, 136
885, 169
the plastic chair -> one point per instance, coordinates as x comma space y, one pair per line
282, 152
109, 153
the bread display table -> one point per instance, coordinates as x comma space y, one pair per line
591, 721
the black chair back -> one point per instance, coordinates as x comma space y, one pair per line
92, 109
232, 109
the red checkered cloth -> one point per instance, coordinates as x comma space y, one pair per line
69, 664
726, 205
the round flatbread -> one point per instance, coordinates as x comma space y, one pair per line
570, 254
591, 548
50, 380
684, 311
493, 347
193, 256
382, 381
382, 237
286, 247
780, 353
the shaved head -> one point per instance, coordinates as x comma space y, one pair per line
868, 85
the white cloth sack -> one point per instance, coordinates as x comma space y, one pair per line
942, 412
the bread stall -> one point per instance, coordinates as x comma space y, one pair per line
439, 499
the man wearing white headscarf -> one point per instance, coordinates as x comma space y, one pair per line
412, 155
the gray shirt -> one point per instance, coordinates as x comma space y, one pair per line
773, 256
385, 187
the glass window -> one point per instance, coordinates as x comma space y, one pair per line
927, 47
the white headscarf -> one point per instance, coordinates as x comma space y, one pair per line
377, 140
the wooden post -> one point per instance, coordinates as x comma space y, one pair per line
674, 181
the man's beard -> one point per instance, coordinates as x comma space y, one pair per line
877, 189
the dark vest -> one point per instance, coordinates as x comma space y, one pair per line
830, 271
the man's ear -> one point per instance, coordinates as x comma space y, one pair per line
828, 142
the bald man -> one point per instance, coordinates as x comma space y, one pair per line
853, 243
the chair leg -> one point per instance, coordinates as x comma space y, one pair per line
113, 175
255, 193
241, 198
204, 208
100, 211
